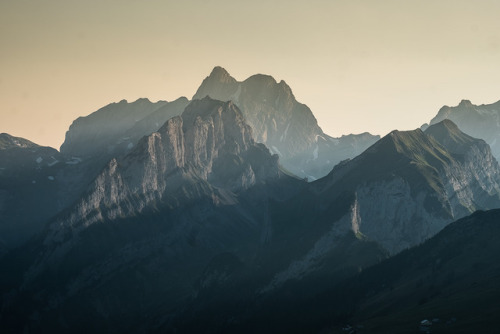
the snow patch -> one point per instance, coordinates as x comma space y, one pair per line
129, 146
39, 160
51, 178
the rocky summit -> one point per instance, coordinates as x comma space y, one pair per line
283, 124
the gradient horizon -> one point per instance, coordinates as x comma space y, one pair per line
359, 65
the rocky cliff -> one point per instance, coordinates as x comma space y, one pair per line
409, 185
191, 156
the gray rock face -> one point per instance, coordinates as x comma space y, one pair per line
405, 189
208, 152
410, 185
286, 126
479, 121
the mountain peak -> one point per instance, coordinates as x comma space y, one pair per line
8, 141
465, 103
218, 85
445, 124
414, 144
219, 72
262, 78
450, 136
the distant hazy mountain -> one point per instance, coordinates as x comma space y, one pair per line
481, 121
114, 129
286, 126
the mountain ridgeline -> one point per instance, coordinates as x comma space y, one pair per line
410, 184
116, 128
186, 216
287, 127
480, 121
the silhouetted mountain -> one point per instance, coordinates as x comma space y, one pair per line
28, 188
481, 121
286, 126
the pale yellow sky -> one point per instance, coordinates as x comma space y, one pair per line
359, 65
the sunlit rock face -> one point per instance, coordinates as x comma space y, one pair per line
210, 145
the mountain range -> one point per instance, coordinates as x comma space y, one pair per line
194, 216
286, 126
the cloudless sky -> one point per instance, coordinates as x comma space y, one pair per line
360, 65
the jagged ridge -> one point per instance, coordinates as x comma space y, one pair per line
286, 126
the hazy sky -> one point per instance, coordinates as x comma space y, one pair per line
359, 65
